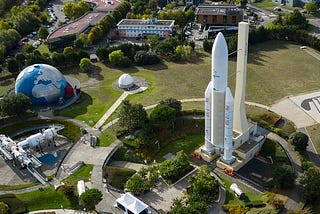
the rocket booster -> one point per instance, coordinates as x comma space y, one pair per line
228, 128
219, 74
207, 118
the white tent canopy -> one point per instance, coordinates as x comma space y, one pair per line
131, 204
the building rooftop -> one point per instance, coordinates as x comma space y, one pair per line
247, 146
91, 18
104, 5
218, 10
145, 22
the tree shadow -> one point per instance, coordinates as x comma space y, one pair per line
256, 55
95, 73
315, 158
78, 108
156, 67
6, 82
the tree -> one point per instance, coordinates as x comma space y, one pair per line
85, 64
295, 19
283, 176
43, 33
163, 116
310, 184
300, 141
24, 22
115, 57
203, 185
4, 208
12, 65
305, 165
75, 10
132, 116
311, 7
137, 185
90, 198
173, 103
14, 104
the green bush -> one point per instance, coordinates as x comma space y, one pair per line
126, 154
131, 143
68, 191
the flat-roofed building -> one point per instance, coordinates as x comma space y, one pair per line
219, 15
67, 33
70, 32
143, 27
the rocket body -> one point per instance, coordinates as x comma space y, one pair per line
219, 74
228, 128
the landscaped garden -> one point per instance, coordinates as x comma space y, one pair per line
49, 198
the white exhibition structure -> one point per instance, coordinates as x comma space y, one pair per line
81, 187
125, 81
130, 204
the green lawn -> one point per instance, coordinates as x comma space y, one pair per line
276, 69
265, 4
188, 145
314, 133
118, 176
6, 85
15, 187
52, 199
84, 173
250, 195
46, 199
107, 137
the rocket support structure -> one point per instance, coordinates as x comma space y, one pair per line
240, 118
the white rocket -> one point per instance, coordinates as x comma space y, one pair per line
222, 112
215, 96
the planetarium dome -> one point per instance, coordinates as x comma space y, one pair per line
125, 81
43, 83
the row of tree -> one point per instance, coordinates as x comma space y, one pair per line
30, 56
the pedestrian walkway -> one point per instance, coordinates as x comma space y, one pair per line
130, 165
111, 110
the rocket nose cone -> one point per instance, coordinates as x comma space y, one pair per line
220, 44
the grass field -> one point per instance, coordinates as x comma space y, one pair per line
118, 176
314, 133
84, 173
49, 198
265, 4
188, 145
275, 69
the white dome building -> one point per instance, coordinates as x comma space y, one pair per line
125, 81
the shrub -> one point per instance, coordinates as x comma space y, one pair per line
137, 185
125, 62
68, 191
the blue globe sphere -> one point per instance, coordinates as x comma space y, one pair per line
43, 83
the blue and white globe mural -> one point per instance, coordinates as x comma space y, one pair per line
44, 84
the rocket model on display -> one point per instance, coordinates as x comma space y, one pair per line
215, 98
221, 111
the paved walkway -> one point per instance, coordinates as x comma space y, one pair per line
110, 110
125, 164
